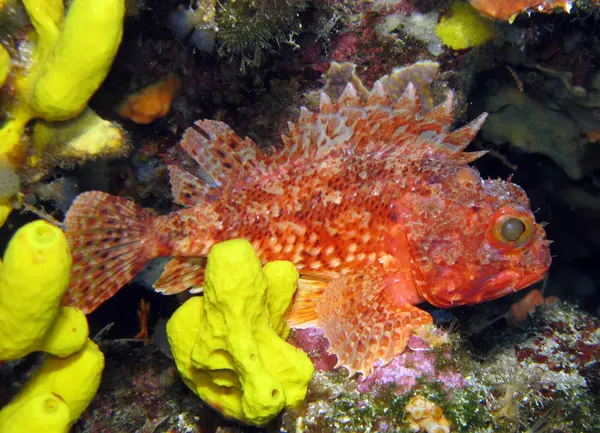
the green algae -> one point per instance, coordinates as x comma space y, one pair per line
247, 29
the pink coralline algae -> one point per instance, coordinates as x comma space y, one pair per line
406, 368
419, 361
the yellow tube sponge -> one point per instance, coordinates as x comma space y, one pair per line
71, 56
282, 281
46, 413
226, 344
4, 65
68, 332
33, 278
80, 60
74, 379
6, 207
464, 28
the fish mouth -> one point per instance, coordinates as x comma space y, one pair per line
529, 279
498, 285
507, 282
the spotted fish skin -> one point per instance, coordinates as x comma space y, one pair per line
370, 197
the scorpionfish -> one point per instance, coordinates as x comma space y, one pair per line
370, 196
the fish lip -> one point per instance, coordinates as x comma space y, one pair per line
530, 278
509, 281
499, 285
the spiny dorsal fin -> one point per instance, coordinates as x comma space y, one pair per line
460, 138
440, 118
469, 157
314, 137
378, 95
339, 75
188, 190
223, 154
395, 114
350, 97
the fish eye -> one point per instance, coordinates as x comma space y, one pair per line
511, 231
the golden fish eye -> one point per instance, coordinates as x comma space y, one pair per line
512, 229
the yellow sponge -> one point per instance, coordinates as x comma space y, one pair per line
228, 344
464, 28
70, 57
33, 279
79, 56
74, 380
45, 412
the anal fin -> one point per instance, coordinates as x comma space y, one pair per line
364, 323
181, 274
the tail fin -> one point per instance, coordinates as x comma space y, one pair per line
111, 240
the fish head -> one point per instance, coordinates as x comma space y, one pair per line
476, 241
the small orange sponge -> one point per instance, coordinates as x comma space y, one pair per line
152, 102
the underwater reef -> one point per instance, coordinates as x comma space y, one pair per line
300, 216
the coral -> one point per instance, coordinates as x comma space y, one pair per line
513, 382
243, 31
70, 57
33, 279
464, 28
509, 9
546, 365
152, 102
225, 343
72, 381
426, 416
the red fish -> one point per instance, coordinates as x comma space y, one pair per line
509, 9
370, 197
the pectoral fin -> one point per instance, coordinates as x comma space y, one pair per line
361, 319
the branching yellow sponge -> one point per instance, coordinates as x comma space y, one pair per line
79, 61
33, 278
71, 56
228, 344
74, 380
